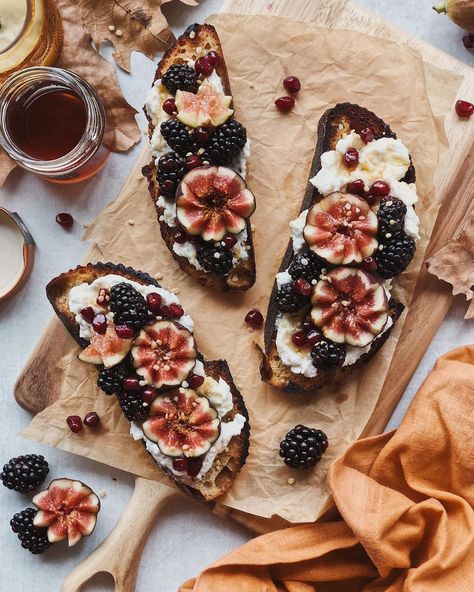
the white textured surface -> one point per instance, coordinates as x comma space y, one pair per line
188, 537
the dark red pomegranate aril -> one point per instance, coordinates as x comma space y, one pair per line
369, 198
313, 337
299, 338
91, 420
356, 187
292, 84
468, 41
213, 58
75, 423
285, 103
65, 219
203, 67
307, 324
302, 286
180, 464
195, 381
201, 135
254, 318
164, 311
192, 162
124, 331
367, 134
88, 314
175, 311
464, 108
369, 264
229, 240
169, 186
180, 236
131, 384
153, 302
169, 106
380, 189
99, 324
194, 466
149, 394
351, 158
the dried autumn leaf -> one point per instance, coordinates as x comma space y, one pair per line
130, 25
454, 264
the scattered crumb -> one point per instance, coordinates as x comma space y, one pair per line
252, 227
252, 85
102, 493
86, 225
249, 329
291, 481
175, 291
159, 276
192, 34
131, 222
119, 33
111, 28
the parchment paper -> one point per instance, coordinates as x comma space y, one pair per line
333, 66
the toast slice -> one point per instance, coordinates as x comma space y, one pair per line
227, 462
335, 124
194, 43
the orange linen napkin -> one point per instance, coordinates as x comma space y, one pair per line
406, 498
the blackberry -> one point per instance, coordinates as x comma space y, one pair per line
395, 255
215, 259
180, 77
31, 537
303, 447
170, 172
226, 142
24, 473
306, 265
327, 354
133, 406
128, 305
178, 137
110, 380
289, 301
391, 217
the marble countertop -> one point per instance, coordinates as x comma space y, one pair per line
171, 554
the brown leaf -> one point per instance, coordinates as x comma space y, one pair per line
136, 25
454, 264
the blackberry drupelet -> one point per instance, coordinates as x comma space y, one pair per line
303, 447
178, 137
215, 259
180, 77
287, 300
31, 537
391, 217
306, 265
226, 142
170, 171
327, 354
128, 305
133, 406
25, 473
395, 255
110, 380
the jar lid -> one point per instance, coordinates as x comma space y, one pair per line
16, 253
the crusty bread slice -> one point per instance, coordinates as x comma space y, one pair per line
227, 463
333, 125
242, 276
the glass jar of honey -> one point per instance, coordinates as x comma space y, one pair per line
52, 123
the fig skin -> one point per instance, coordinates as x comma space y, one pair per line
460, 12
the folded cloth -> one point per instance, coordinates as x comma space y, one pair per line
406, 499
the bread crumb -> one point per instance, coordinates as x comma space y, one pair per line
131, 222
252, 227
252, 85
291, 481
119, 33
86, 225
159, 276
249, 329
102, 493
111, 28
175, 291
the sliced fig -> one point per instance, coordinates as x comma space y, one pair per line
164, 354
341, 229
108, 349
68, 509
350, 306
207, 107
182, 423
213, 201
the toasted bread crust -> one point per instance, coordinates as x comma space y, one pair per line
333, 125
229, 462
242, 276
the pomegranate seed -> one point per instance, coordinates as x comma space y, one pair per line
124, 331
367, 134
369, 264
180, 236
103, 297
87, 314
149, 394
302, 286
254, 318
285, 103
169, 185
351, 158
292, 84
75, 423
164, 311
91, 420
213, 58
313, 337
201, 135
180, 464
369, 198
468, 41
99, 324
169, 106
192, 162
131, 384
229, 240
175, 311
195, 381
299, 338
65, 219
307, 324
356, 187
464, 108
203, 67
194, 466
380, 189
153, 302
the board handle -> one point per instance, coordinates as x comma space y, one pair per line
119, 555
